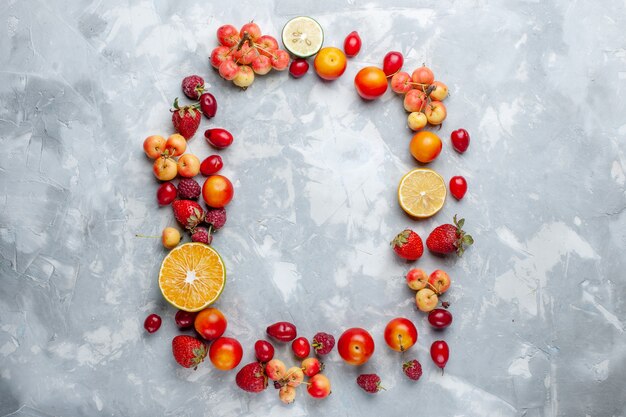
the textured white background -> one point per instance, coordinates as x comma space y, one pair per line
539, 302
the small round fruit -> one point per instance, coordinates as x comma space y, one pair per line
435, 112
302, 36
228, 69
252, 29
166, 193
318, 386
208, 105
261, 64
301, 347
426, 300
440, 92
294, 376
225, 353
287, 394
263, 350
275, 369
154, 146
188, 165
244, 77
152, 323
458, 187
440, 318
424, 76
218, 137
298, 67
170, 237
211, 165
330, 63
416, 279
176, 145
355, 346
417, 121
280, 60
165, 169
352, 44
370, 83
460, 140
392, 63
266, 45
401, 83
439, 352
210, 323
415, 101
185, 319
439, 281
400, 334
311, 366
217, 191
425, 146
228, 35
219, 55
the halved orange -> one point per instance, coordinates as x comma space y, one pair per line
421, 193
192, 276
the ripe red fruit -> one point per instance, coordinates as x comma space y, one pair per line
263, 350
449, 238
460, 140
152, 323
188, 351
211, 165
352, 44
458, 187
188, 189
439, 352
312, 366
282, 331
392, 63
184, 319
356, 346
408, 245
216, 218
301, 347
440, 318
188, 213
412, 369
369, 382
323, 343
251, 378
298, 67
186, 119
208, 105
166, 193
218, 137
210, 323
193, 86
202, 235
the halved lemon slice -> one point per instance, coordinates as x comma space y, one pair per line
422, 192
303, 36
192, 276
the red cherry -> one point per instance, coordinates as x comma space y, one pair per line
439, 352
458, 187
218, 137
352, 44
211, 165
298, 67
184, 319
152, 323
301, 347
460, 140
166, 193
263, 350
392, 63
208, 105
440, 318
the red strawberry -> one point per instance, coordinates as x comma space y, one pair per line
193, 86
251, 378
188, 213
186, 119
188, 351
408, 245
369, 382
449, 238
323, 343
412, 369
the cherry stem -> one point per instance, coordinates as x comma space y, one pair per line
146, 236
256, 45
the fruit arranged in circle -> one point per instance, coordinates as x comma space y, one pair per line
423, 76
435, 112
408, 245
154, 146
192, 276
416, 279
252, 29
218, 137
392, 63
312, 366
188, 351
170, 237
275, 369
298, 67
425, 146
188, 165
228, 35
440, 91
244, 77
440, 353
460, 140
440, 318
401, 83
426, 299
439, 281
330, 63
166, 193
152, 323
415, 101
400, 334
282, 331
287, 394
211, 165
294, 376
251, 378
185, 319
225, 353
448, 238
370, 383
210, 323
301, 347
302, 36
217, 191
416, 121
176, 145
318, 386
165, 169
421, 192
458, 187
370, 83
352, 44
356, 346
263, 351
